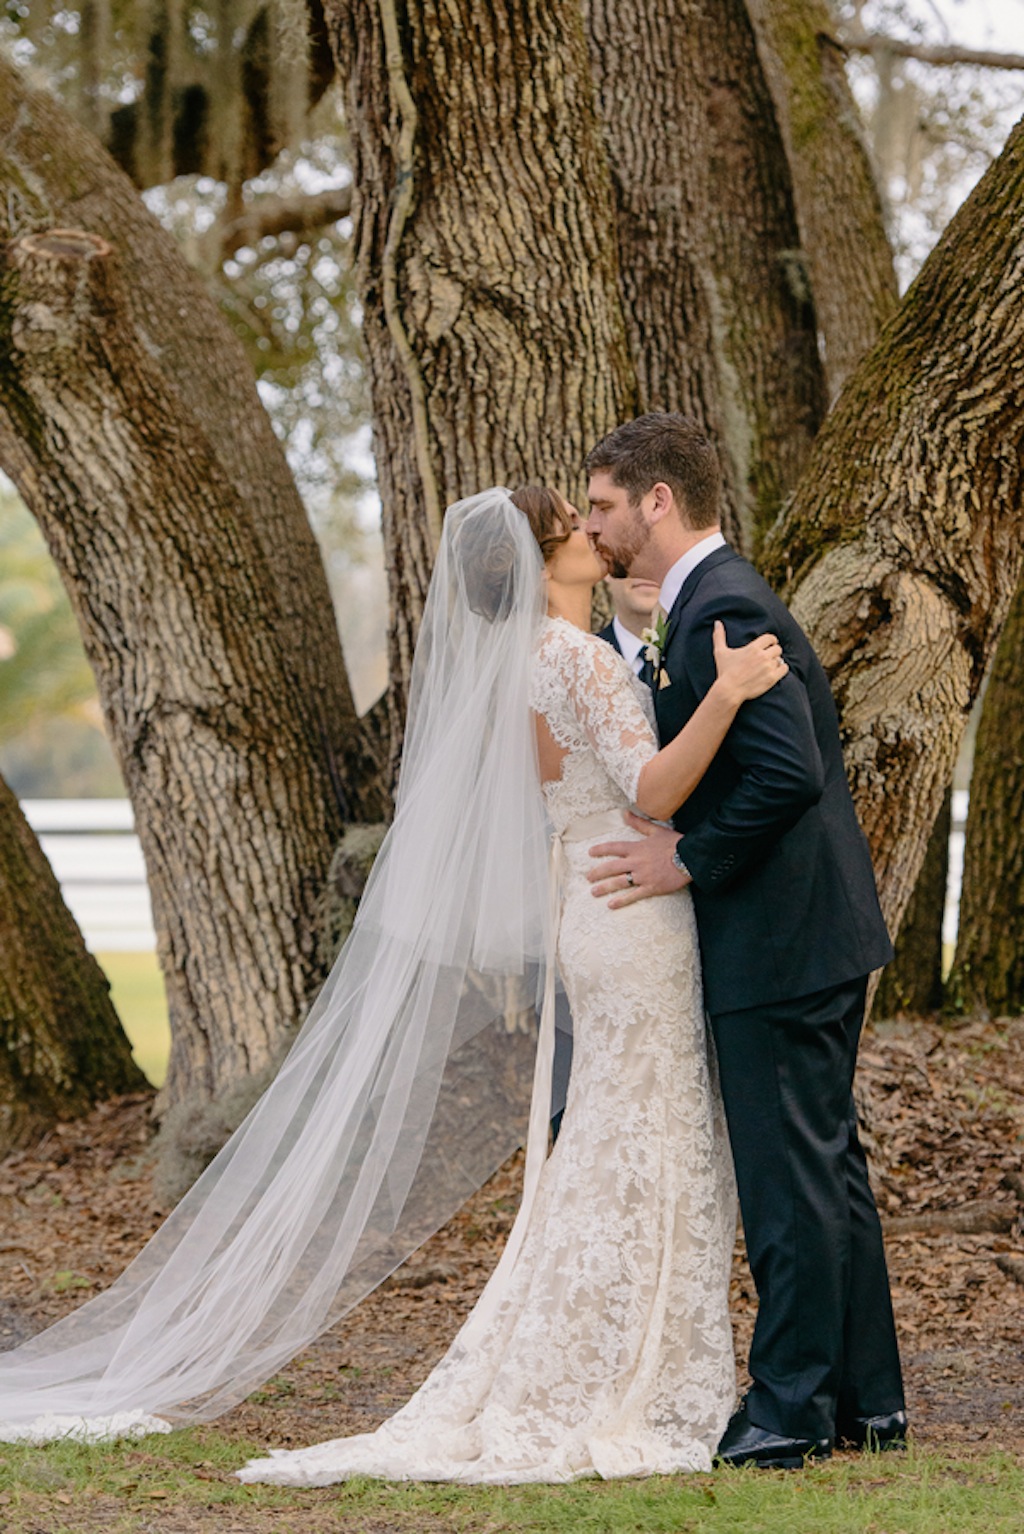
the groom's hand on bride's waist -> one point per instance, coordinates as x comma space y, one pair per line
635, 870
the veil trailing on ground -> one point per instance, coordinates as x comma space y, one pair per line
409, 1082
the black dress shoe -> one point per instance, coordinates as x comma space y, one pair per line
744, 1443
886, 1433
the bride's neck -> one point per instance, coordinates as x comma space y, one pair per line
571, 603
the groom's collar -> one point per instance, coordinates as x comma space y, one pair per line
630, 646
673, 582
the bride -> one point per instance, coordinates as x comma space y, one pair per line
601, 1343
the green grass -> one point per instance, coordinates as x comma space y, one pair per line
67, 1488
137, 988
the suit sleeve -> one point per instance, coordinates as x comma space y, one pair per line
772, 745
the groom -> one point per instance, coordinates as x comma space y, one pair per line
790, 929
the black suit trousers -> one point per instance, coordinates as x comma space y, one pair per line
824, 1343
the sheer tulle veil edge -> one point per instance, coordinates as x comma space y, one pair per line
409, 1082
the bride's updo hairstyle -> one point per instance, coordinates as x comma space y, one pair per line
547, 515
487, 549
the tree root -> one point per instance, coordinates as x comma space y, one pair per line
981, 1219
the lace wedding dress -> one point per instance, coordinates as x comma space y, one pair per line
605, 1347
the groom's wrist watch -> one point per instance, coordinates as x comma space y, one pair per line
678, 861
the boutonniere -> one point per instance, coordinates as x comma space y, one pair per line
654, 646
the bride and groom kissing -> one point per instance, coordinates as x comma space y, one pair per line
741, 895
790, 929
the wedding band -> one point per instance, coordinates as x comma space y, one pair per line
630, 881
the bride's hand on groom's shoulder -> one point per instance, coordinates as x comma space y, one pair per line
636, 870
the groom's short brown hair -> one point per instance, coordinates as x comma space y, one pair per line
667, 448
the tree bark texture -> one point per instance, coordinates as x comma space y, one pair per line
838, 207
912, 984
988, 970
55, 175
238, 837
62, 1048
220, 749
485, 262
902, 547
716, 300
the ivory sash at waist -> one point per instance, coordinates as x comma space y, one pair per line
604, 825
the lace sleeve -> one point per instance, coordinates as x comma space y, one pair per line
605, 701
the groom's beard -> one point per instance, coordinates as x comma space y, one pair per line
632, 540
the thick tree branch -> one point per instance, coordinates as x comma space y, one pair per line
894, 47
53, 173
130, 420
838, 208
270, 217
181, 624
902, 547
984, 1217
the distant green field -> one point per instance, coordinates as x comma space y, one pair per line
138, 991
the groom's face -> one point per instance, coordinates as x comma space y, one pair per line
617, 529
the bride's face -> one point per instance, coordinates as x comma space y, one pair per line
574, 562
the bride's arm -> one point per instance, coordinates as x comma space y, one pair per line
603, 698
670, 777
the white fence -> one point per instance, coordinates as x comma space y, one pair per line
954, 877
93, 849
95, 854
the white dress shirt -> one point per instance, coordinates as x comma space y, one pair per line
673, 582
632, 648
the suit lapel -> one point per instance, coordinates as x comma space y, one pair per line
670, 723
718, 557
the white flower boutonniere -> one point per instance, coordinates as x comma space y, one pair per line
654, 646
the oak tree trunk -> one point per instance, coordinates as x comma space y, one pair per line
912, 983
62, 1048
838, 207
717, 306
902, 547
129, 421
988, 970
492, 318
55, 175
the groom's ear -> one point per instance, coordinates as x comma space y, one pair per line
662, 503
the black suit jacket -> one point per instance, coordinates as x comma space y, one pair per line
783, 885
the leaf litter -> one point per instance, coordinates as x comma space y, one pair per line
943, 1119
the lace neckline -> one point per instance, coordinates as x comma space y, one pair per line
568, 623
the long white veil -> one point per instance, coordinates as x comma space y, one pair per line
409, 1082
